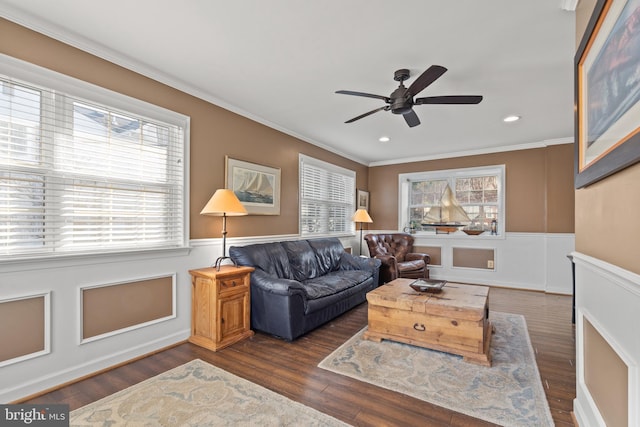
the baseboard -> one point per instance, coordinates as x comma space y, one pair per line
585, 416
29, 390
499, 284
574, 420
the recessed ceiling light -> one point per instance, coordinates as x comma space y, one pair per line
509, 119
384, 139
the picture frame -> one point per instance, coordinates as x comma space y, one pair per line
362, 200
607, 92
256, 186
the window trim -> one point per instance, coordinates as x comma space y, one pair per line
52, 80
403, 196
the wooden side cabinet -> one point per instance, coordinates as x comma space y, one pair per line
220, 306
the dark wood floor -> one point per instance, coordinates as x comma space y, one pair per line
291, 368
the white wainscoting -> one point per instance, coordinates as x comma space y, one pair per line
68, 360
62, 278
536, 261
608, 297
528, 261
46, 343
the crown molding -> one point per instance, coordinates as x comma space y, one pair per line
75, 40
528, 146
569, 5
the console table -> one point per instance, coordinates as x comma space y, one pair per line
220, 306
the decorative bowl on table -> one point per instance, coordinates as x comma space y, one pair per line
427, 285
472, 232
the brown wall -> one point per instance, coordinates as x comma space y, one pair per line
606, 218
434, 252
112, 307
608, 387
473, 258
539, 187
215, 132
538, 181
23, 327
607, 228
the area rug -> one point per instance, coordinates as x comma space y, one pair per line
508, 393
198, 394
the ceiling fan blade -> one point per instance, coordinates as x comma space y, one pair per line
386, 107
411, 118
367, 95
429, 76
452, 99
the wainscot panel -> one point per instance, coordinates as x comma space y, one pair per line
26, 330
62, 279
119, 307
435, 252
607, 318
536, 261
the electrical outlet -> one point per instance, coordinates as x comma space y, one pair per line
490, 263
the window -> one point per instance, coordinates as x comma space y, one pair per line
80, 175
327, 198
476, 195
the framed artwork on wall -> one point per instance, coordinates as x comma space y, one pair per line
256, 186
362, 201
607, 92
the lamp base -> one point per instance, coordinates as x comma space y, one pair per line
218, 262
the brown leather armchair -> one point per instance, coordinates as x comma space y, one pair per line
395, 250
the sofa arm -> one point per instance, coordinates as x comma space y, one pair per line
353, 262
388, 269
276, 285
388, 260
277, 305
414, 256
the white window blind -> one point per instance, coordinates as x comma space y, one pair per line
82, 176
327, 198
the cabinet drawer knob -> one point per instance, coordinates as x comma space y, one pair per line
419, 327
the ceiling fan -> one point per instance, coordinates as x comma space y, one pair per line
401, 100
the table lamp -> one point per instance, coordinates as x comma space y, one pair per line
361, 216
224, 203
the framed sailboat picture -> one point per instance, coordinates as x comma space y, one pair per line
256, 186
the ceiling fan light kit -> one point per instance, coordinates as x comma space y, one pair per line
401, 100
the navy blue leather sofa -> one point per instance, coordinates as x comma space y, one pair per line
299, 285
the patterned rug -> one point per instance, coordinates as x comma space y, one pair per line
198, 394
508, 393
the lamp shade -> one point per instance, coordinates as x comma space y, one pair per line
361, 215
224, 202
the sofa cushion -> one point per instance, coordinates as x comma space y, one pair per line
334, 282
328, 254
268, 257
302, 260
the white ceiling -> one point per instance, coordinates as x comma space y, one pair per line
280, 61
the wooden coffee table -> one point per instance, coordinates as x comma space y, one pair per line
455, 320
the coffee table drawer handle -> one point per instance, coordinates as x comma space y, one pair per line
419, 327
